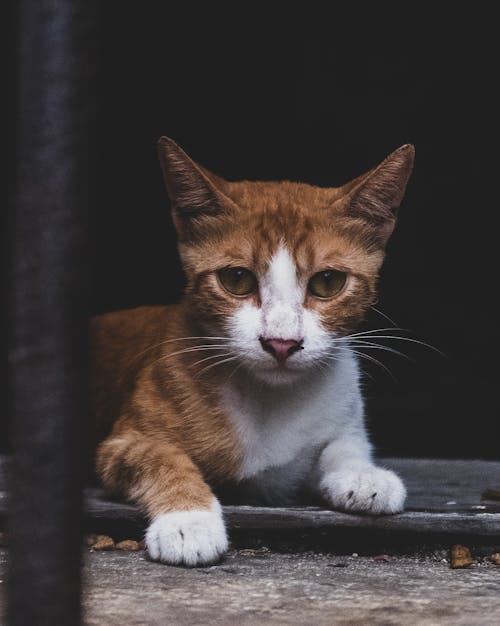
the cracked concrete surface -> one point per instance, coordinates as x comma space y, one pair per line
259, 586
286, 568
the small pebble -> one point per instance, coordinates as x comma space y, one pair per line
247, 552
495, 558
128, 544
460, 557
354, 554
103, 542
491, 494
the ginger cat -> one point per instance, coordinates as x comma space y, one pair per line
249, 382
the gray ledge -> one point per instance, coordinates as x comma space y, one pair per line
444, 497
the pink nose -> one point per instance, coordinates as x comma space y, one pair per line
281, 349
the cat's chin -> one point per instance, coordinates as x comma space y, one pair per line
279, 376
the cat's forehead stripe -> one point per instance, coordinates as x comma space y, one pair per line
280, 282
282, 268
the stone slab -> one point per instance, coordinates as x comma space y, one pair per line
444, 497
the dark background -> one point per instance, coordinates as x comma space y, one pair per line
320, 98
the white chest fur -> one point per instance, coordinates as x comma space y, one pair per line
276, 425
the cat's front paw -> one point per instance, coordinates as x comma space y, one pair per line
188, 537
370, 489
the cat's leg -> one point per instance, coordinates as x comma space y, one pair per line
186, 526
349, 480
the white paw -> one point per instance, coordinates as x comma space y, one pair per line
368, 490
188, 537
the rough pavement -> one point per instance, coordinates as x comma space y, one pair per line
264, 587
261, 587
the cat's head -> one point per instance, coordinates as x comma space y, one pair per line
281, 269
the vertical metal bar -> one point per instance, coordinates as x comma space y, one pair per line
50, 275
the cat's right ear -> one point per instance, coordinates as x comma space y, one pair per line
195, 193
375, 196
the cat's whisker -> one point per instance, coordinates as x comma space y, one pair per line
195, 349
209, 367
373, 334
382, 314
207, 346
367, 374
369, 345
350, 351
234, 371
410, 340
370, 358
165, 357
162, 343
214, 356
193, 337
375, 361
324, 363
372, 346
336, 355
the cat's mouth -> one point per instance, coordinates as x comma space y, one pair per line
278, 373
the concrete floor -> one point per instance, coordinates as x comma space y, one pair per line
259, 586
286, 568
263, 587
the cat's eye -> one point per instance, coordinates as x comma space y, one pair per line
327, 283
237, 280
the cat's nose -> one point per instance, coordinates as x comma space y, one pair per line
281, 349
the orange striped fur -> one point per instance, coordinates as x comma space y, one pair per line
164, 439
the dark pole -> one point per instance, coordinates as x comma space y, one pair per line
50, 275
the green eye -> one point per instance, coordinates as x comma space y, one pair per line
237, 280
327, 283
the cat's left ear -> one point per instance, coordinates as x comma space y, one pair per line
375, 197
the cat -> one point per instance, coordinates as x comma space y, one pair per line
249, 382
